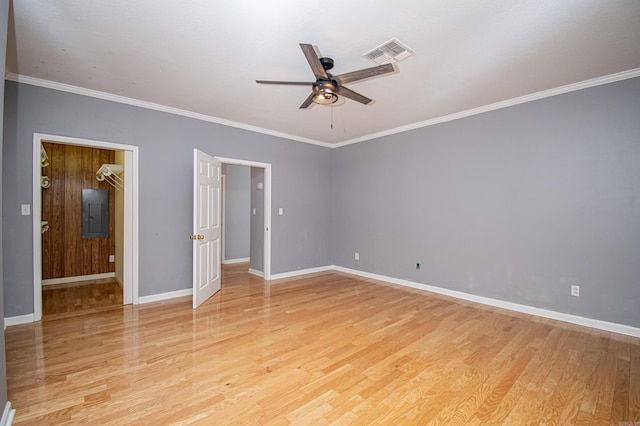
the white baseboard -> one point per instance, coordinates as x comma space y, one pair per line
256, 273
79, 278
164, 296
545, 313
231, 261
301, 272
20, 319
7, 415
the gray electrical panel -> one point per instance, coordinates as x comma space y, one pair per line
95, 213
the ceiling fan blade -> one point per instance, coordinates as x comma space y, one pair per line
350, 77
314, 60
289, 83
307, 102
348, 93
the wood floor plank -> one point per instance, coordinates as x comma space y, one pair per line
328, 348
634, 381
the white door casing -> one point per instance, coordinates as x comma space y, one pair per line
207, 172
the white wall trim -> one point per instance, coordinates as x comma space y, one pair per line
78, 278
301, 272
165, 296
256, 272
545, 313
18, 78
7, 415
20, 319
231, 261
632, 73
499, 105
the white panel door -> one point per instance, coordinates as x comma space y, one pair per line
206, 226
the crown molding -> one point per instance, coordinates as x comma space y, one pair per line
624, 75
18, 78
632, 73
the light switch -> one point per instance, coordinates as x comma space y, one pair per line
254, 211
26, 209
280, 211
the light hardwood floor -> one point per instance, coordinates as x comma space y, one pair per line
322, 349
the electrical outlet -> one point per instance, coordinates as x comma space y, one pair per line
575, 290
417, 266
357, 256
112, 258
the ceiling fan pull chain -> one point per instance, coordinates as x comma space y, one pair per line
331, 117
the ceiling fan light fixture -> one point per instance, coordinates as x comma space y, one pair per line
325, 93
325, 98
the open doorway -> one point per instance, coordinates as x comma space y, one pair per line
124, 251
243, 217
207, 222
81, 214
254, 244
236, 218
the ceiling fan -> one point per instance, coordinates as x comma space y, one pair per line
327, 87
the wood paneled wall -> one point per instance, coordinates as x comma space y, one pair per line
64, 252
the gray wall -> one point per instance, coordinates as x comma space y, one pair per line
237, 211
257, 220
4, 11
516, 204
166, 143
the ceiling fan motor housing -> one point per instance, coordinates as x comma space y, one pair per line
327, 63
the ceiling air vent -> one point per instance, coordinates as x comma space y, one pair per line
389, 53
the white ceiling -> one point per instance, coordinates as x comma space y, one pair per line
203, 56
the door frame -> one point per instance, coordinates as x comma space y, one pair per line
130, 240
267, 206
223, 188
